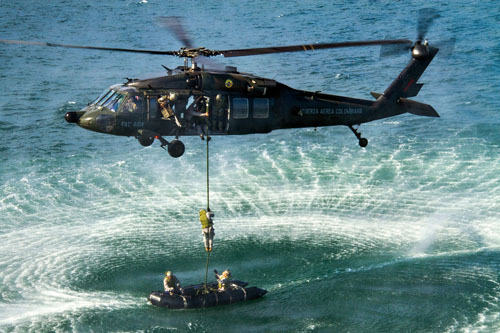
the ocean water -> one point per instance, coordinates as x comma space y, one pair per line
403, 235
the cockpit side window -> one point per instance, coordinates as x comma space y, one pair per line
133, 104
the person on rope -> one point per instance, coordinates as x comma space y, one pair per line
207, 228
171, 283
223, 279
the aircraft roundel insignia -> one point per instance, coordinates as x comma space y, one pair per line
229, 83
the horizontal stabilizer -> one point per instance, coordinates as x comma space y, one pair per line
375, 95
417, 108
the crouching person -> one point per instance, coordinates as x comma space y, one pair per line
171, 283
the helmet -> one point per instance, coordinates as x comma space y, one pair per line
173, 96
168, 273
227, 272
219, 98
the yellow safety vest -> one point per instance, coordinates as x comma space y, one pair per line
205, 222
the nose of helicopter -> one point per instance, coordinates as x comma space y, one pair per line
92, 120
73, 117
81, 118
87, 121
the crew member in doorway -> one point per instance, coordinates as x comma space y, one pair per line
166, 102
223, 279
198, 114
171, 283
207, 228
219, 111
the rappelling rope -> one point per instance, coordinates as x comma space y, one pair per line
208, 181
206, 272
208, 207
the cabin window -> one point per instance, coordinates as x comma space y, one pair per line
153, 108
240, 108
261, 108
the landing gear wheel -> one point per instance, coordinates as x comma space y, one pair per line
363, 142
176, 148
145, 140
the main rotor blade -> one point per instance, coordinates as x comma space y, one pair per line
22, 42
174, 24
446, 47
391, 50
308, 47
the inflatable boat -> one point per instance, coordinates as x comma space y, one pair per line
199, 296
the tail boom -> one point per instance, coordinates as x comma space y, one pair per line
394, 100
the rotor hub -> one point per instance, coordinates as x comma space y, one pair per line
185, 52
420, 51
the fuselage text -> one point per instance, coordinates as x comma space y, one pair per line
313, 111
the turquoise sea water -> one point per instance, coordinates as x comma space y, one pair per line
401, 236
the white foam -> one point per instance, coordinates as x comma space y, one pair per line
50, 302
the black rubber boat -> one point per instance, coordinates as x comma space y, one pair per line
196, 296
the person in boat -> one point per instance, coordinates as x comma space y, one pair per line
171, 283
207, 228
223, 279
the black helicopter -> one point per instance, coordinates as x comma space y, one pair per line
194, 100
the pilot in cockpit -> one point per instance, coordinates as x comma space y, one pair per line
133, 104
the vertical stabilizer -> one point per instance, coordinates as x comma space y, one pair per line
406, 84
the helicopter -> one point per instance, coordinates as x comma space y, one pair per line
197, 100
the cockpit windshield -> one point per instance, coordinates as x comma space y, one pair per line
102, 96
113, 103
105, 98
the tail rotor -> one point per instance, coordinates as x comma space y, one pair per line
425, 18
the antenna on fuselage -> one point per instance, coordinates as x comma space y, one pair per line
169, 71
